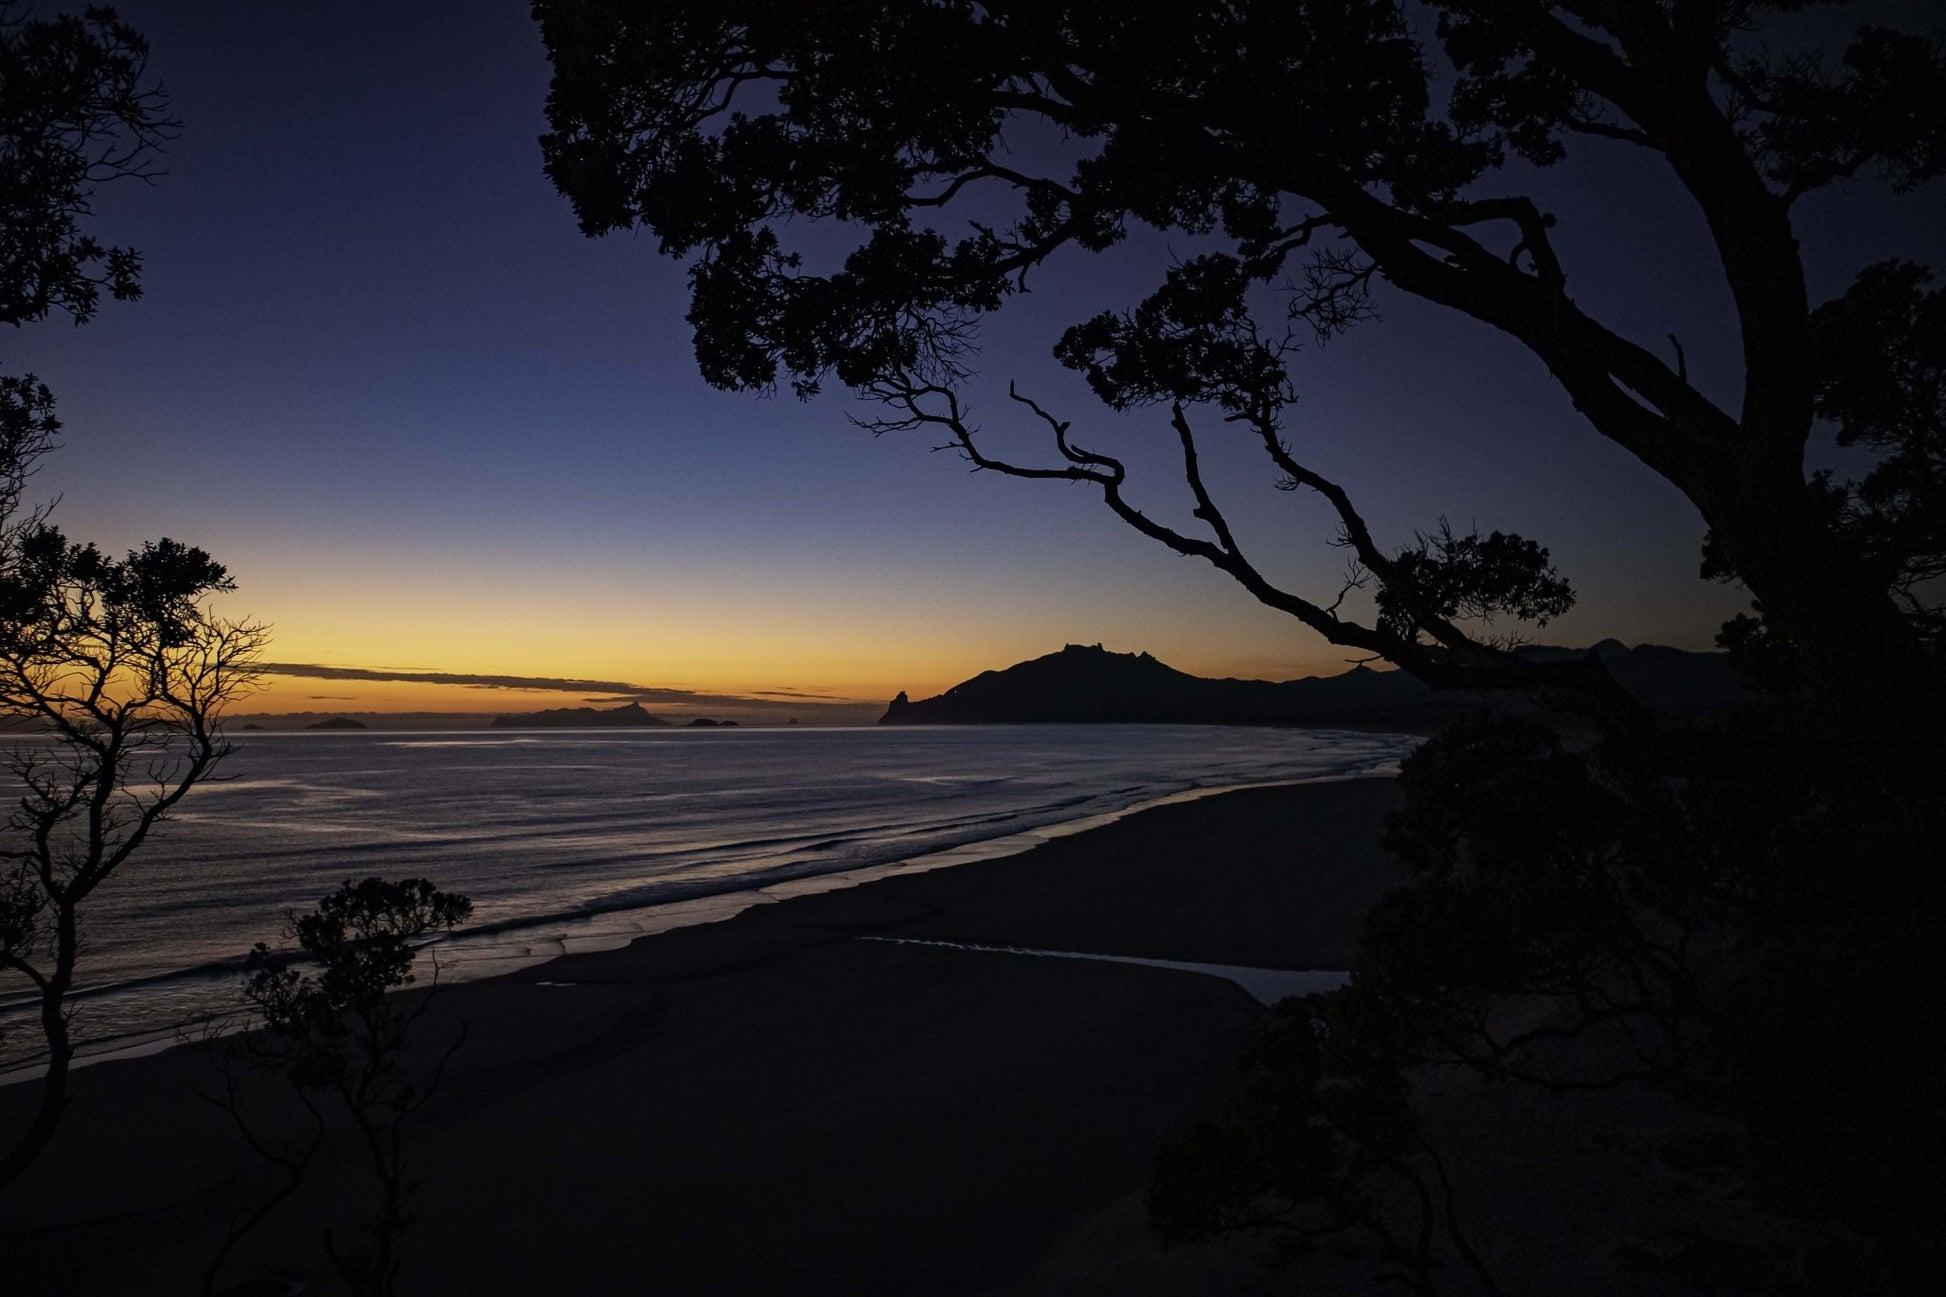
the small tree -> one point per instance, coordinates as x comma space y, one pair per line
124, 672
333, 1029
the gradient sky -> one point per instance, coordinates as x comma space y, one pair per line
431, 429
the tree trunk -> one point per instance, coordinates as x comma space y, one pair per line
60, 1056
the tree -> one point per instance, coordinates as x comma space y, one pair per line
118, 664
1317, 145
1713, 918
77, 110
1650, 897
333, 1028
125, 674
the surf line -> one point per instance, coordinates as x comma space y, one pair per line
1266, 985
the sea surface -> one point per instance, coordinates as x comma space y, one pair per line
573, 840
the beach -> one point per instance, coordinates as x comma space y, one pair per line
568, 842
829, 1093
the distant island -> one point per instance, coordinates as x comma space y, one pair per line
628, 714
1089, 684
705, 723
336, 723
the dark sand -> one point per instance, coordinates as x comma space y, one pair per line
771, 1105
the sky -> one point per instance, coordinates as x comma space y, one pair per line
432, 430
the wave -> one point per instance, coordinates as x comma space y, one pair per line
579, 849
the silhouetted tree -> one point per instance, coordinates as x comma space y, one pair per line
116, 663
1317, 144
77, 109
1714, 917
125, 674
331, 1026
1652, 895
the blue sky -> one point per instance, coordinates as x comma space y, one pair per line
379, 373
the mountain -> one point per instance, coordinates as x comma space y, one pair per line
1087, 683
577, 718
337, 723
1665, 678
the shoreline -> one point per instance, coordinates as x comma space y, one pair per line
605, 930
769, 1103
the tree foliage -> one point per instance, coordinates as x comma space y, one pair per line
1317, 1142
1885, 389
1712, 918
1328, 153
332, 1027
77, 109
360, 940
123, 672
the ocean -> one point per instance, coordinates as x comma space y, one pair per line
574, 840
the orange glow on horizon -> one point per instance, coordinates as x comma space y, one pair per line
285, 695
845, 647
281, 694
